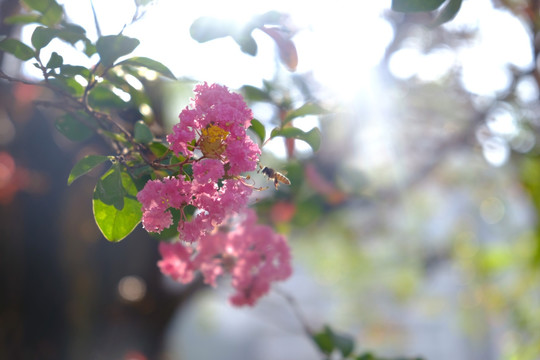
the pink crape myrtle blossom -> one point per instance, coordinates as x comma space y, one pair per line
216, 122
253, 254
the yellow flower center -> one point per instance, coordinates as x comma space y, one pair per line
213, 141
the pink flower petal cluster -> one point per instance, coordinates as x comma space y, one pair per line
215, 124
253, 254
212, 137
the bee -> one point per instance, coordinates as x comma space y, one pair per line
276, 176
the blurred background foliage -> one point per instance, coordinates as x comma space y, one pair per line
414, 227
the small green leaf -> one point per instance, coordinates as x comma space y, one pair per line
149, 64
142, 133
84, 165
42, 36
116, 224
17, 48
258, 128
111, 47
312, 137
416, 5
71, 33
449, 12
102, 97
306, 109
89, 48
55, 61
255, 94
38, 5
324, 340
72, 128
22, 19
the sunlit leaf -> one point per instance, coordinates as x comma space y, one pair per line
38, 5
142, 133
312, 137
17, 48
55, 61
306, 109
158, 149
448, 12
116, 224
71, 127
149, 64
416, 5
258, 128
84, 165
112, 47
109, 188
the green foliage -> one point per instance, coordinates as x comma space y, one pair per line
116, 209
142, 133
71, 126
112, 47
149, 64
416, 5
312, 137
327, 340
85, 165
55, 61
258, 128
102, 97
17, 48
42, 36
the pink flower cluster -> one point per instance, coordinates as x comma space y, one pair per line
212, 137
253, 254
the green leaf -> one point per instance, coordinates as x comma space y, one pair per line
142, 133
53, 15
38, 5
111, 47
102, 97
72, 70
416, 5
42, 36
22, 19
306, 109
89, 48
17, 48
116, 224
109, 188
324, 340
68, 85
158, 149
71, 33
247, 42
258, 128
344, 343
312, 137
84, 165
55, 61
72, 128
449, 12
255, 94
208, 28
149, 64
